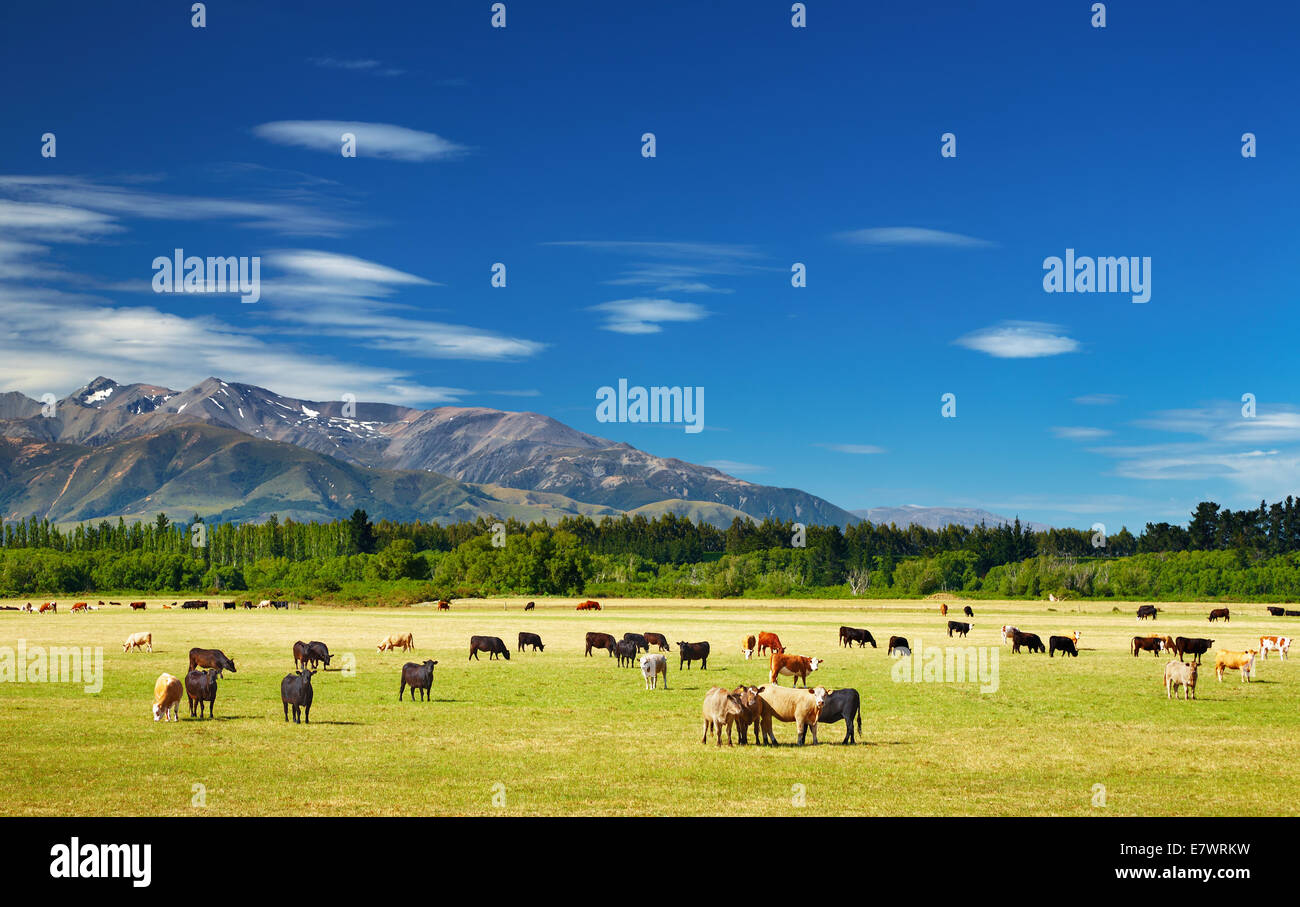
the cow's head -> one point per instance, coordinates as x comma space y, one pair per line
1075, 635
681, 644
819, 695
306, 675
748, 653
429, 663
815, 663
505, 652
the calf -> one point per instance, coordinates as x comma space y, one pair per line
769, 642
1063, 644
747, 646
956, 626
1194, 647
898, 643
693, 651
490, 644
651, 667
658, 639
166, 698
600, 641
137, 641
843, 705
638, 640
213, 659
201, 687
625, 652
1179, 673
850, 635
531, 639
1279, 644
1219, 614
967, 611
1242, 661
1030, 641
796, 666
417, 677
403, 641
295, 690
721, 708
803, 707
1152, 644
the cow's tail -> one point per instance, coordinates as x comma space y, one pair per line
859, 719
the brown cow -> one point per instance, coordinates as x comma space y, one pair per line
796, 666
138, 606
1152, 644
79, 607
589, 605
747, 646
769, 642
600, 641
658, 639
943, 610
444, 605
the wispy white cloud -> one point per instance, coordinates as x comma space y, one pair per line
645, 316
853, 448
677, 266
373, 67
1020, 340
1079, 432
912, 236
1098, 399
381, 140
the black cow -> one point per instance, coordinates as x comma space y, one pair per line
638, 640
1030, 641
195, 604
843, 705
956, 626
228, 606
658, 639
213, 659
318, 653
1062, 644
1276, 612
300, 655
531, 639
1291, 613
201, 687
851, 635
490, 644
1147, 611
967, 611
280, 604
1192, 646
295, 690
898, 642
693, 651
248, 606
1219, 614
625, 652
530, 606
417, 677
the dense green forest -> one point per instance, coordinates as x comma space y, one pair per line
1221, 553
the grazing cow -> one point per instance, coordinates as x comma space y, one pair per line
747, 646
600, 641
722, 708
213, 659
1194, 647
195, 604
489, 644
1276, 612
318, 653
1147, 611
1063, 644
843, 705
796, 666
295, 690
658, 639
1180, 673
943, 610
898, 643
201, 687
638, 640
417, 677
531, 639
278, 605
693, 651
803, 707
167, 698
444, 605
1219, 614
1030, 641
403, 641
530, 606
137, 641
589, 605
1007, 630
299, 655
967, 611
228, 606
1279, 644
79, 607
651, 667
1291, 613
958, 627
625, 652
49, 608
769, 642
264, 603
1152, 644
248, 606
1242, 661
851, 635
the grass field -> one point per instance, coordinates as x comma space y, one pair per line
555, 733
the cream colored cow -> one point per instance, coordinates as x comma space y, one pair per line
137, 641
166, 698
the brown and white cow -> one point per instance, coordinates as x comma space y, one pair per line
747, 646
166, 698
1242, 661
796, 666
137, 641
1279, 644
403, 641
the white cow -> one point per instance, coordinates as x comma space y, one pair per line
1008, 630
137, 641
651, 667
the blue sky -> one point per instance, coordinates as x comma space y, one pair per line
775, 145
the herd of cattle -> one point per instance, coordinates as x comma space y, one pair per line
739, 709
194, 605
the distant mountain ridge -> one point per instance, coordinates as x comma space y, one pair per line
939, 517
475, 446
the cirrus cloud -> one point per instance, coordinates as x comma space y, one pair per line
381, 140
1019, 340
